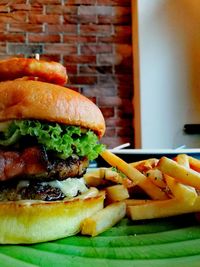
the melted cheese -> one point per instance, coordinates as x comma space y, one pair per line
70, 187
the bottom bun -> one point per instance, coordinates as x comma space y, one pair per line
26, 222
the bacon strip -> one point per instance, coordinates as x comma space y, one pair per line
14, 164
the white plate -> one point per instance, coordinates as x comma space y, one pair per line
156, 151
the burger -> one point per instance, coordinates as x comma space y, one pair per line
48, 136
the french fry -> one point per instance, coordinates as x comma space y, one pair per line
95, 177
136, 176
134, 202
117, 177
160, 209
180, 173
145, 165
183, 160
117, 193
194, 163
157, 178
180, 191
104, 219
92, 192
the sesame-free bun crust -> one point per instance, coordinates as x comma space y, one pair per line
44, 101
27, 222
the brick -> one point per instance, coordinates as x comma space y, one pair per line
93, 99
8, 3
38, 18
97, 30
125, 67
55, 9
124, 132
126, 91
107, 59
122, 34
123, 31
112, 142
83, 79
78, 39
43, 38
12, 37
60, 49
124, 54
95, 49
44, 2
65, 28
2, 27
108, 81
27, 49
108, 112
119, 122
3, 8
99, 91
76, 19
114, 2
74, 88
77, 59
120, 20
125, 111
97, 10
119, 11
80, 2
72, 69
25, 27
122, 80
51, 57
13, 17
95, 69
110, 131
113, 101
2, 49
26, 7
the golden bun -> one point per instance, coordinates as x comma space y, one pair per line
49, 71
44, 101
29, 221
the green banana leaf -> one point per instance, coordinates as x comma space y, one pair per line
153, 243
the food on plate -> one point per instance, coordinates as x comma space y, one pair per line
104, 219
184, 175
117, 192
134, 175
13, 68
48, 135
178, 178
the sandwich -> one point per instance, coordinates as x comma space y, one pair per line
48, 136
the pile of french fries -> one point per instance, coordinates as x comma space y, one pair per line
170, 187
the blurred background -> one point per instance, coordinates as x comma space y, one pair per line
92, 38
137, 60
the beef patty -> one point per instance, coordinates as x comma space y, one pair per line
35, 163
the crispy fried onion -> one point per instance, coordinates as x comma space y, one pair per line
14, 68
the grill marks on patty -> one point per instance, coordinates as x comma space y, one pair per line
33, 162
9, 191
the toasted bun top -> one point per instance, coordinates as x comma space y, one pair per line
44, 101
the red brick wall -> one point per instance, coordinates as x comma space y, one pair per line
92, 38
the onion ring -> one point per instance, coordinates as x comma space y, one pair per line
51, 71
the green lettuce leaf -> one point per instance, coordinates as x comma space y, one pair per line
61, 139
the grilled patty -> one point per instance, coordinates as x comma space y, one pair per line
34, 190
34, 162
